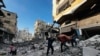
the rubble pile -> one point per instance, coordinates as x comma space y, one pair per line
89, 47
93, 42
87, 51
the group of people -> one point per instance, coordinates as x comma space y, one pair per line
63, 38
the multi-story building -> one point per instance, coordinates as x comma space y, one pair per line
41, 28
79, 14
8, 24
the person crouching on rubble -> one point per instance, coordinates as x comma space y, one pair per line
13, 50
63, 38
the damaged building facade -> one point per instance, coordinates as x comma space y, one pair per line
42, 30
82, 15
8, 24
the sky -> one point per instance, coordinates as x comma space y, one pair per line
28, 11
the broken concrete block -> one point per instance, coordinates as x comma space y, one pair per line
87, 51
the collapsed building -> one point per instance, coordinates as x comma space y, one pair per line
82, 15
8, 24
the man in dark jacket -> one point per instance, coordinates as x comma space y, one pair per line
74, 36
50, 46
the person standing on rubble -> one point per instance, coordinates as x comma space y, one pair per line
74, 37
50, 39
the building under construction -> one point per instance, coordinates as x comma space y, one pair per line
80, 14
8, 24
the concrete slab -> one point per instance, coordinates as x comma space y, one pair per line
87, 51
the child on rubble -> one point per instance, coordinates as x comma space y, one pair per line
13, 50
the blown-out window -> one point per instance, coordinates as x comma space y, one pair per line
8, 14
6, 21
